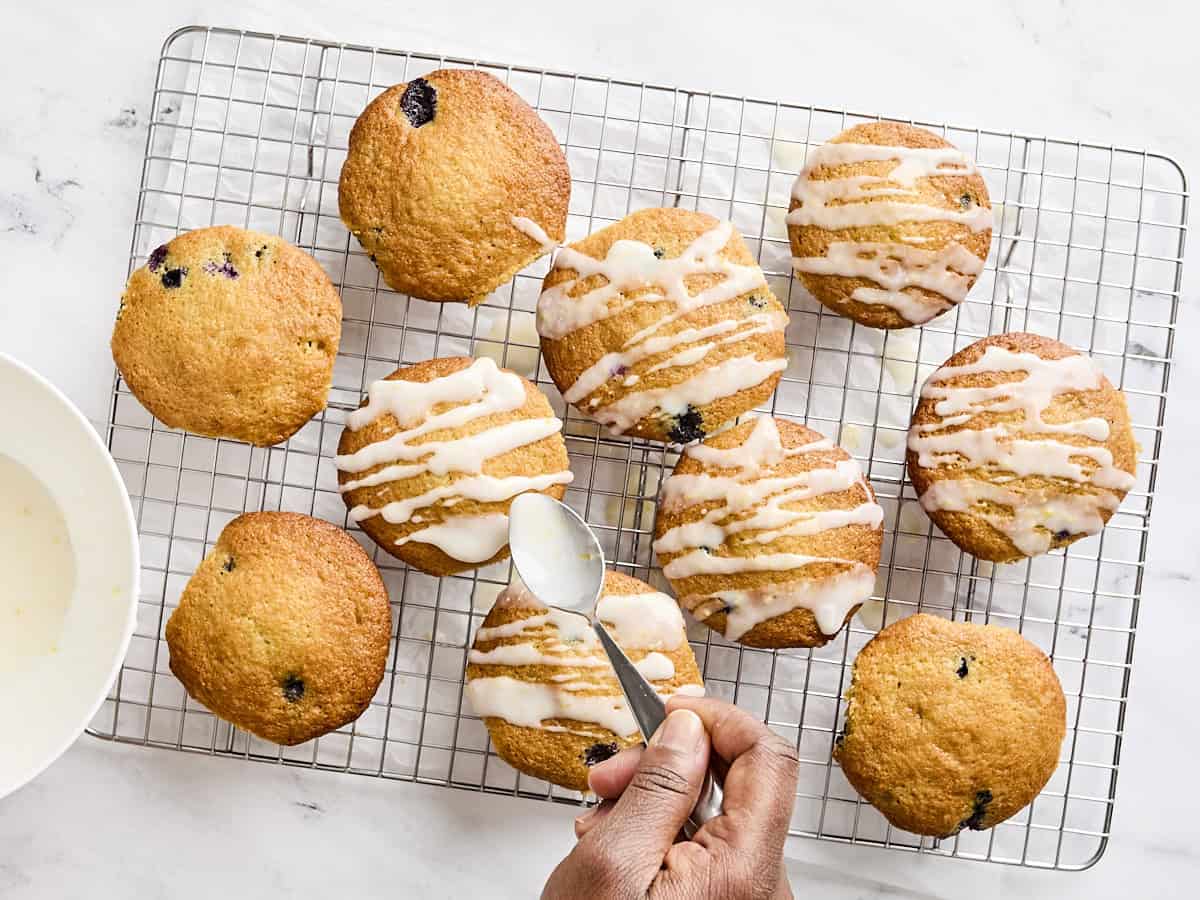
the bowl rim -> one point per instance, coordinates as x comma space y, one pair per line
97, 443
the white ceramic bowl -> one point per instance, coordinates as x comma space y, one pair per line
48, 700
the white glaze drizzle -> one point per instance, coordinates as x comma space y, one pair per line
631, 265
472, 539
1006, 450
753, 499
896, 267
854, 201
557, 638
535, 231
480, 389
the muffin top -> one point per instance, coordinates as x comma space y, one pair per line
769, 534
889, 224
951, 725
1019, 445
229, 333
284, 628
661, 325
543, 684
432, 459
453, 183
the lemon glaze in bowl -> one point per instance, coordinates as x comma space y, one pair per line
57, 665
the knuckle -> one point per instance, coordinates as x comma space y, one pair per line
659, 779
782, 754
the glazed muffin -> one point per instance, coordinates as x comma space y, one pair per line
431, 461
769, 534
661, 326
950, 725
284, 628
889, 224
229, 333
545, 689
453, 184
1020, 445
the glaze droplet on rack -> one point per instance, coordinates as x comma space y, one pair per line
633, 274
839, 222
754, 508
444, 404
1034, 480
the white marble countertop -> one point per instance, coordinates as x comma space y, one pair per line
130, 822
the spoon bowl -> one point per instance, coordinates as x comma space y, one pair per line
556, 554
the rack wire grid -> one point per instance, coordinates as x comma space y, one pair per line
251, 129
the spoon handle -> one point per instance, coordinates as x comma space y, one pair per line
649, 711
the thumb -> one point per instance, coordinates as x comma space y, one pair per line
650, 813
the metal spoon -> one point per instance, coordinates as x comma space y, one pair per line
558, 556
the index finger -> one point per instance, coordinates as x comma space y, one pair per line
760, 788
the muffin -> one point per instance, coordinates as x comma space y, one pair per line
452, 184
889, 224
950, 725
661, 326
430, 462
284, 628
543, 685
769, 534
229, 333
1020, 445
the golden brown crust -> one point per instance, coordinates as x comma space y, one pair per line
433, 204
230, 334
951, 725
560, 757
861, 543
545, 456
944, 191
971, 532
284, 628
672, 230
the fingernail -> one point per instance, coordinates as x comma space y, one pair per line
682, 731
580, 821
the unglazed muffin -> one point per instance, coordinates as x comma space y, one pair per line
545, 689
1020, 445
769, 534
453, 184
661, 326
431, 461
951, 725
284, 628
889, 224
229, 333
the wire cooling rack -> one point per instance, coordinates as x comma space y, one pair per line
251, 129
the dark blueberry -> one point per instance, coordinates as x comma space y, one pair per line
965, 201
157, 258
229, 565
659, 253
687, 427
419, 102
618, 371
225, 268
978, 811
727, 608
173, 278
293, 688
1062, 535
260, 251
704, 548
757, 301
962, 670
598, 753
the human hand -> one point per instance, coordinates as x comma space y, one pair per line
627, 845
